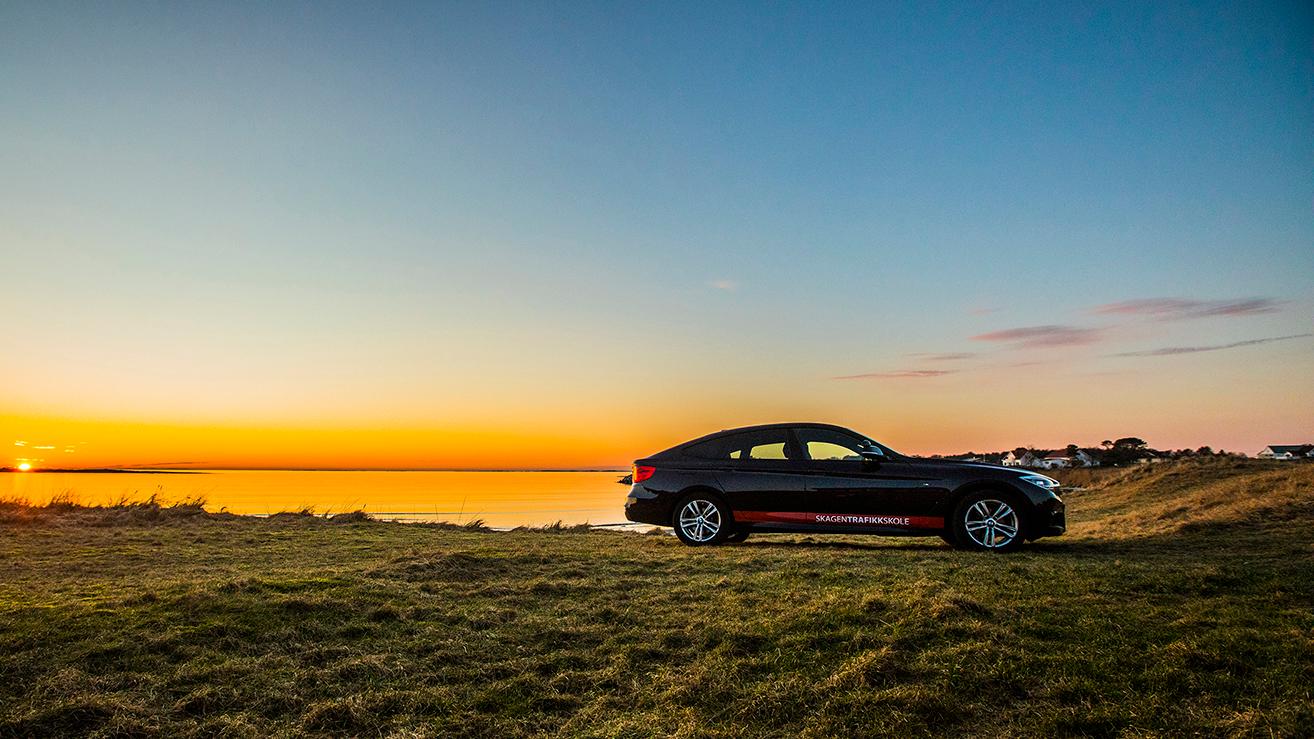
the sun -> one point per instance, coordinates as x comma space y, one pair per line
24, 466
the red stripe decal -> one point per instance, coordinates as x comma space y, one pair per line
840, 519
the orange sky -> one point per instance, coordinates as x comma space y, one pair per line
532, 235
1220, 403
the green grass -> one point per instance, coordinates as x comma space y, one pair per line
1180, 603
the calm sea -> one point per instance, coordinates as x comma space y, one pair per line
500, 499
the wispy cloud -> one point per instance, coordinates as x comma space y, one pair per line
727, 285
898, 375
1169, 351
1043, 336
983, 311
1177, 309
944, 357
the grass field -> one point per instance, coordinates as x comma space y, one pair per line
1181, 602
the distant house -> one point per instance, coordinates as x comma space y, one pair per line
1287, 451
1027, 459
1054, 461
1062, 459
1151, 456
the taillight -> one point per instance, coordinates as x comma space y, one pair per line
642, 473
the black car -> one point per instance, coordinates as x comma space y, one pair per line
813, 477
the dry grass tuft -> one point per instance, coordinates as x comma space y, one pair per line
557, 527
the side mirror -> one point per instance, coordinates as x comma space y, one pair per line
872, 454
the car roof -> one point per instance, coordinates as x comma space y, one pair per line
763, 426
758, 427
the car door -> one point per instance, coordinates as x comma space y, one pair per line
855, 490
764, 474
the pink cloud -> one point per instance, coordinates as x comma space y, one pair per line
1043, 336
897, 375
1169, 351
1176, 309
943, 357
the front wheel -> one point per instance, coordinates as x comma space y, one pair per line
737, 536
988, 521
701, 520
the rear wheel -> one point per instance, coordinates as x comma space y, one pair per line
701, 519
988, 521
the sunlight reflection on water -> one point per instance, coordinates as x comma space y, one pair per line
500, 499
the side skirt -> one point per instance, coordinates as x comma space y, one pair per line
841, 523
799, 528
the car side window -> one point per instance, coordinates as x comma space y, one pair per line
771, 445
722, 448
712, 449
824, 445
770, 450
764, 445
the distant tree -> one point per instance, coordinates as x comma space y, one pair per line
1204, 451
1072, 450
1124, 451
1106, 444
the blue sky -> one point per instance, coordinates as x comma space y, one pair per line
346, 213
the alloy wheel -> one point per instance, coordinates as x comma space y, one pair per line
700, 520
991, 523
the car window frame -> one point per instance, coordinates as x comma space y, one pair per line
830, 463
746, 443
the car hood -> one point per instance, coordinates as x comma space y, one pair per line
993, 470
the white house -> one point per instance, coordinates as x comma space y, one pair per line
1027, 459
1055, 461
1287, 451
1061, 459
1085, 459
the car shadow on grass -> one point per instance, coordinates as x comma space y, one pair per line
883, 544
1049, 547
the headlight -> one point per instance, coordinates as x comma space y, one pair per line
1047, 483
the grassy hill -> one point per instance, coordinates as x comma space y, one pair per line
1181, 602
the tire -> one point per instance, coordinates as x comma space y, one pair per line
948, 538
701, 519
737, 536
989, 521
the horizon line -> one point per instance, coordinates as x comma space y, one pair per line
318, 469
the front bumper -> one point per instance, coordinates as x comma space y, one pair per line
1050, 519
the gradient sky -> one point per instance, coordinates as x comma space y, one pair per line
564, 234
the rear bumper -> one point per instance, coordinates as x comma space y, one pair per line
644, 506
